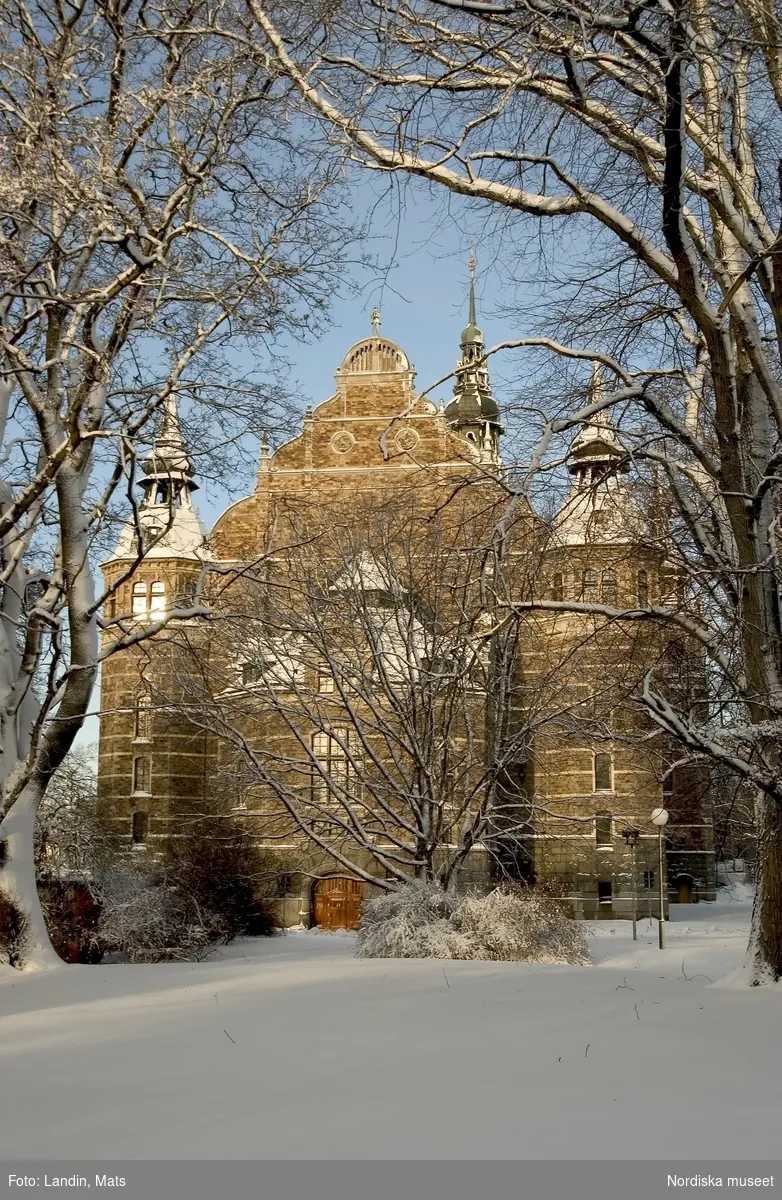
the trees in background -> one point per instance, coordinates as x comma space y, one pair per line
157, 215
646, 136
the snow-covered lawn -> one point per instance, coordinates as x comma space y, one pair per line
291, 1048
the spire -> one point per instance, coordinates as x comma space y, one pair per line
471, 334
473, 410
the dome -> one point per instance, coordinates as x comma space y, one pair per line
374, 355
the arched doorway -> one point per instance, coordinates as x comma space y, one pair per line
684, 885
337, 902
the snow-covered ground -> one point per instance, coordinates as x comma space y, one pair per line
292, 1048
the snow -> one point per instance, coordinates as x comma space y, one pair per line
292, 1048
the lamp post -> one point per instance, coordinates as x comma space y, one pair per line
660, 819
631, 837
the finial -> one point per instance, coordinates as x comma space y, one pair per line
471, 264
375, 320
264, 445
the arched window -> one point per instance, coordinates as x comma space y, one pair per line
142, 775
610, 590
158, 601
143, 717
604, 773
589, 587
642, 584
140, 599
140, 828
558, 586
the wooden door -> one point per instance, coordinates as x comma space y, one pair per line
338, 902
685, 889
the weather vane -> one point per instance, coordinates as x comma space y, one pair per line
375, 319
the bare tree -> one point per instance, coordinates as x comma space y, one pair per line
369, 701
652, 130
156, 215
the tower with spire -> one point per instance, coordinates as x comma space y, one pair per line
473, 411
151, 764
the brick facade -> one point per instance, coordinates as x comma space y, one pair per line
588, 775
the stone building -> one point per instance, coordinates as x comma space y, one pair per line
373, 457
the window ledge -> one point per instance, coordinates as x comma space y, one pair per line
141, 741
141, 795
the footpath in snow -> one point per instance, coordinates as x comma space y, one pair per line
291, 1048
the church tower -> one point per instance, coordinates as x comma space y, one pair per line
473, 412
152, 765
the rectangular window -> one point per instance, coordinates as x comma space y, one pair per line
604, 773
642, 581
187, 596
140, 828
604, 832
142, 775
589, 586
558, 587
648, 880
143, 717
338, 773
158, 601
325, 683
251, 672
610, 588
605, 890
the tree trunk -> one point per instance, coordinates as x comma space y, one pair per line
17, 879
764, 959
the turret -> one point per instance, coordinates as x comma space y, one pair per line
170, 525
473, 411
596, 450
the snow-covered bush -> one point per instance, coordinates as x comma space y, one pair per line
412, 922
520, 925
148, 918
512, 924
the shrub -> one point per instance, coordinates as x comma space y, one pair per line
203, 894
222, 876
150, 919
13, 933
509, 924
